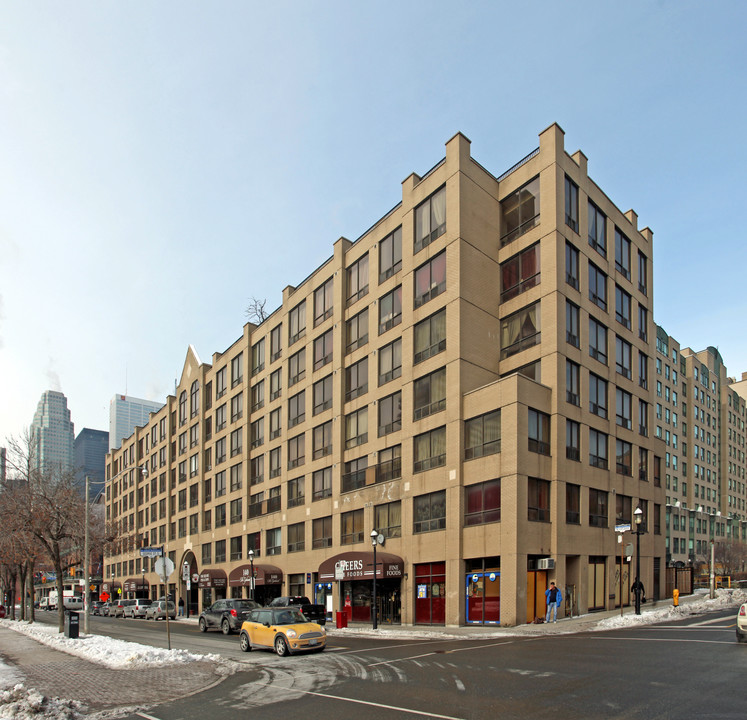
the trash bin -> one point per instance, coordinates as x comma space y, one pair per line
72, 624
342, 619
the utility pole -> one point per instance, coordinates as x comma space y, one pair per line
87, 561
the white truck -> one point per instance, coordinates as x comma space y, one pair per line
70, 601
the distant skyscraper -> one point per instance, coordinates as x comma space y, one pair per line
91, 447
52, 432
125, 414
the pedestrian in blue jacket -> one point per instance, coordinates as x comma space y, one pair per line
553, 597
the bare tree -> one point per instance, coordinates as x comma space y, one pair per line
730, 556
255, 311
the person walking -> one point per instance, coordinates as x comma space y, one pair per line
553, 597
181, 606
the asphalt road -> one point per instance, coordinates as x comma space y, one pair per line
692, 668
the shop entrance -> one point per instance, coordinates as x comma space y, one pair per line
484, 598
323, 596
358, 594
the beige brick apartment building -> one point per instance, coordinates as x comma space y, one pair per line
471, 378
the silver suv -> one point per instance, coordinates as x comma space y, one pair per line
118, 609
136, 608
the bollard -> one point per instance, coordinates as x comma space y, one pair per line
676, 597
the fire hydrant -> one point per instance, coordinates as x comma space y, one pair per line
676, 597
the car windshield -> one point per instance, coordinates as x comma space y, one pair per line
289, 617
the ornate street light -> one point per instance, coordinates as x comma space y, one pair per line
251, 582
638, 515
374, 542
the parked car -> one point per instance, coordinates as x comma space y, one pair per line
44, 603
228, 615
742, 623
106, 608
136, 608
157, 610
73, 602
96, 606
313, 612
2, 611
118, 609
285, 630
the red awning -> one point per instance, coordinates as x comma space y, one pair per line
212, 579
359, 566
263, 575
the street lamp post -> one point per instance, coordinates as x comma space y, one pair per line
638, 515
374, 540
251, 580
144, 559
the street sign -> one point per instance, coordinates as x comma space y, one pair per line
151, 552
622, 528
164, 567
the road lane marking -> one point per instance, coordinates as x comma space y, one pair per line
640, 639
378, 705
455, 650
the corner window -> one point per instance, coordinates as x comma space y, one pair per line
520, 273
571, 204
390, 310
482, 435
622, 254
597, 229
357, 280
521, 211
323, 302
429, 450
482, 503
430, 336
429, 394
390, 255
430, 219
520, 331
539, 432
538, 500
430, 280
597, 287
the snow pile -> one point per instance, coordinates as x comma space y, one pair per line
22, 704
108, 651
703, 604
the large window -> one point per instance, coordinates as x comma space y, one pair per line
257, 433
429, 394
276, 460
297, 409
273, 541
643, 370
572, 382
296, 492
276, 426
297, 322
521, 211
539, 432
321, 482
430, 336
597, 341
388, 519
597, 395
572, 504
623, 361
572, 441
296, 451
356, 331
571, 204
351, 527
276, 383
356, 428
357, 279
322, 440
624, 460
597, 286
482, 435
430, 280
236, 442
297, 367
296, 537
429, 512
354, 476
520, 331
597, 229
258, 397
276, 343
623, 408
642, 323
622, 307
572, 332
538, 500
430, 219
322, 391
520, 272
390, 255
390, 310
622, 254
597, 449
323, 350
390, 361
598, 508
429, 450
389, 464
323, 302
258, 356
482, 503
356, 379
256, 470
623, 509
321, 532
571, 265
390, 414
642, 273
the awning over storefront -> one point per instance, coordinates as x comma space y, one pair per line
212, 579
263, 575
359, 566
135, 584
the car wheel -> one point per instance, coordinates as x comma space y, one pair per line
244, 642
225, 627
203, 625
281, 645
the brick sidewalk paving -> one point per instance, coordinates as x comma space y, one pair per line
58, 674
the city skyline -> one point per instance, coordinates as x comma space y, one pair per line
123, 148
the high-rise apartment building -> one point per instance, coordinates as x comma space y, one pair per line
700, 416
91, 447
468, 385
52, 433
127, 413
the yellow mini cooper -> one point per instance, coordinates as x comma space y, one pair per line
285, 630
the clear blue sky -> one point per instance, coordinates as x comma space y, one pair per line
163, 162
